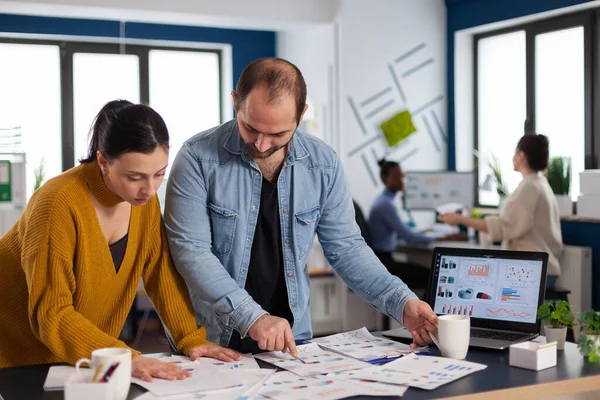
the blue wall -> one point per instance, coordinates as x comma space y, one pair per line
463, 14
247, 45
586, 234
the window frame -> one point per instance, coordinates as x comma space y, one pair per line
588, 20
69, 47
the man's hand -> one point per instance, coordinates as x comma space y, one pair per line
273, 333
212, 350
419, 319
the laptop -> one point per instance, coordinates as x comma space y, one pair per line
499, 290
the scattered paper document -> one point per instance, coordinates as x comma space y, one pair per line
316, 361
360, 344
202, 379
236, 393
424, 372
58, 376
247, 362
287, 386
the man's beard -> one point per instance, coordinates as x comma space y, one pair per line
253, 151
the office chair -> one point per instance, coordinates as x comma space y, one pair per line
362, 223
366, 234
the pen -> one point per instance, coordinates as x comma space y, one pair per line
99, 368
109, 372
386, 359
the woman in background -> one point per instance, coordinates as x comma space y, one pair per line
72, 263
529, 219
387, 229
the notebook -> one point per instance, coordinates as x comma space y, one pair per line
499, 290
59, 374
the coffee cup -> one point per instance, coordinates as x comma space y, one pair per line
113, 364
453, 336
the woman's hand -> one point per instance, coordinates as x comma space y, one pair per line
147, 368
451, 219
214, 351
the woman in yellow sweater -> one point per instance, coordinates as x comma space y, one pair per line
71, 265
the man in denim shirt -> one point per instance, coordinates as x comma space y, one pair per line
244, 201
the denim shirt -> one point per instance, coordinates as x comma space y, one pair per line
212, 202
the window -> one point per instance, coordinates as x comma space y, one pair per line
502, 107
97, 79
51, 92
184, 87
533, 77
30, 104
559, 96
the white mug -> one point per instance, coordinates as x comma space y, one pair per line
453, 336
121, 377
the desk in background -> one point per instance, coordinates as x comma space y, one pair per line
422, 254
498, 381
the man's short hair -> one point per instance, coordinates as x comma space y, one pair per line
279, 76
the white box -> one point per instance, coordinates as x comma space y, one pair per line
589, 181
81, 387
588, 206
533, 355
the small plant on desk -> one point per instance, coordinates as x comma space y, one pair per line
556, 317
589, 339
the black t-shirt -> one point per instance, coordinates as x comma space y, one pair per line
117, 251
266, 277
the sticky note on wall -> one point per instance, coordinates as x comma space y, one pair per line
398, 128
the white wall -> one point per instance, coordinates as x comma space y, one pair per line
392, 37
257, 14
353, 58
312, 50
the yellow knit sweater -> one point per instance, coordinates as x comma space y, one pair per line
60, 295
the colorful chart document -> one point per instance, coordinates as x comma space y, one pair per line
360, 344
316, 361
287, 386
422, 372
247, 362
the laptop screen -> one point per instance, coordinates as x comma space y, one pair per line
488, 284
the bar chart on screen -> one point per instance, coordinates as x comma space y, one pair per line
458, 309
479, 270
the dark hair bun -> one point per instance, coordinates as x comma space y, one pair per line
536, 150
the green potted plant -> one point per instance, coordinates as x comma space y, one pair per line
501, 188
39, 175
493, 179
589, 339
559, 178
556, 317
